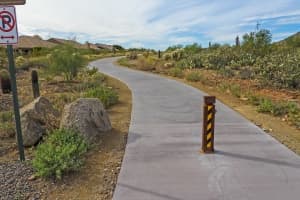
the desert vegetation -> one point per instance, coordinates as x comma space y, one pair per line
253, 64
63, 77
254, 70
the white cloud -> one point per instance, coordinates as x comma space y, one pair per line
159, 22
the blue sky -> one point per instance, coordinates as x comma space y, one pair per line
157, 23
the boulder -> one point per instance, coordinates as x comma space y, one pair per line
36, 118
87, 116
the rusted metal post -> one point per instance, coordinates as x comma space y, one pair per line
35, 84
208, 124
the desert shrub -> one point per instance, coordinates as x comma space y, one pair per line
176, 72
278, 108
194, 76
226, 72
107, 95
221, 58
41, 61
67, 61
20, 61
4, 73
62, 152
192, 49
245, 73
177, 54
6, 116
7, 128
132, 55
167, 56
147, 64
265, 106
195, 61
182, 64
191, 62
235, 90
146, 54
253, 99
3, 57
280, 70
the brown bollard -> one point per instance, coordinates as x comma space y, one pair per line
35, 84
209, 111
5, 82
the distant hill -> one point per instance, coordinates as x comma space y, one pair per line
292, 41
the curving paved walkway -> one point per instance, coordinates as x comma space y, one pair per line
162, 159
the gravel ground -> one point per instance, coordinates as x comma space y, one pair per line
16, 183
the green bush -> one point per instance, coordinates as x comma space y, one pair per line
7, 129
6, 116
265, 106
61, 153
194, 76
132, 55
176, 72
235, 90
4, 73
20, 61
67, 61
278, 108
226, 72
107, 95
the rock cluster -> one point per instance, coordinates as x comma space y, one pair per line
87, 116
36, 118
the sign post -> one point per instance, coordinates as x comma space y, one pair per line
12, 2
9, 36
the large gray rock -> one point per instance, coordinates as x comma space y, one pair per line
88, 116
36, 118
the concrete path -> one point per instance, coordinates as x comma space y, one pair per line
162, 159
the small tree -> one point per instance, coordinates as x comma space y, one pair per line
257, 42
237, 41
193, 48
67, 61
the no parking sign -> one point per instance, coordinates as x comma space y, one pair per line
8, 25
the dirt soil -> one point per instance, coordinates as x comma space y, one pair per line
97, 179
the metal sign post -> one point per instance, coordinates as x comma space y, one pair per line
12, 71
9, 36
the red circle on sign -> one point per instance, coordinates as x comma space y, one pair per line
11, 24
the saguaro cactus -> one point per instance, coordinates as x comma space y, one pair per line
5, 82
237, 41
35, 84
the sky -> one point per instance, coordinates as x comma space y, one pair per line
157, 24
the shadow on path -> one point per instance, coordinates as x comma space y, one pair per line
164, 196
258, 159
